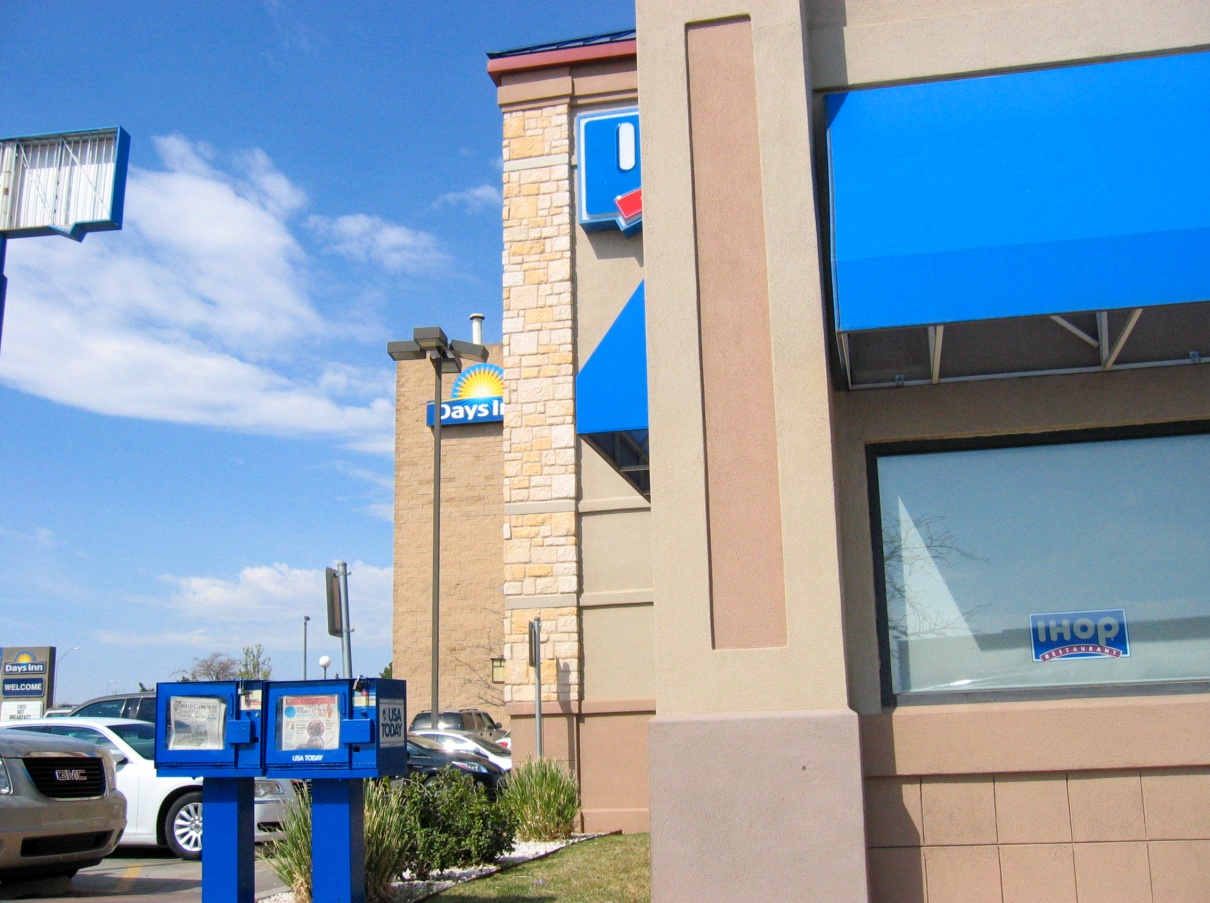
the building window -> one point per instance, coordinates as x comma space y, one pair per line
497, 670
1069, 565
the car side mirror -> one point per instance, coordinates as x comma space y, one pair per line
119, 760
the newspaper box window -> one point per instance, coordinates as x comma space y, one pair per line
196, 722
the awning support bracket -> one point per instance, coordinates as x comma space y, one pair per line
936, 336
1118, 345
1077, 331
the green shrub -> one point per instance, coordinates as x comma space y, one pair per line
416, 826
543, 800
448, 822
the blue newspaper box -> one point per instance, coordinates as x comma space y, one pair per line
209, 729
335, 728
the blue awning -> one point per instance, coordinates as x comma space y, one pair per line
1049, 192
611, 388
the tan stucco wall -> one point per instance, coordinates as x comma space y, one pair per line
472, 605
619, 653
807, 672
959, 797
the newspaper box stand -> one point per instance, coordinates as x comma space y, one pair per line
335, 733
212, 730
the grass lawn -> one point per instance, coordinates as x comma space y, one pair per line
613, 869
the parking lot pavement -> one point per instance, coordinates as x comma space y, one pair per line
134, 877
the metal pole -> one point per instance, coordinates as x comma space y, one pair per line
538, 688
434, 711
3, 283
306, 618
346, 648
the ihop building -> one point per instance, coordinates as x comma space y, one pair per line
855, 446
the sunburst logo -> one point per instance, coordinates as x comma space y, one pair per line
24, 662
479, 381
477, 396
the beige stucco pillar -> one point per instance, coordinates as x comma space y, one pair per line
755, 761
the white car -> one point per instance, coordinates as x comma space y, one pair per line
457, 741
161, 811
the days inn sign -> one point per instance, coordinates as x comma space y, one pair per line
477, 397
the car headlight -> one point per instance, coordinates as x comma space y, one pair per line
265, 787
111, 771
470, 766
6, 786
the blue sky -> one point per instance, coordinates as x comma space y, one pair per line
196, 413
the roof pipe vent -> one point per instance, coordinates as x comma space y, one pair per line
477, 329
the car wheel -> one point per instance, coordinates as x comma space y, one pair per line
183, 826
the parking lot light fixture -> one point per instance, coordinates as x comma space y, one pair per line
446, 356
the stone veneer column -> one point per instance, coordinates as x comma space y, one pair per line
541, 558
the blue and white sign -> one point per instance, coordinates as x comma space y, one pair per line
477, 397
24, 686
610, 170
1080, 634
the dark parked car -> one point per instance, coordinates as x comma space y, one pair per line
426, 758
140, 706
60, 809
468, 721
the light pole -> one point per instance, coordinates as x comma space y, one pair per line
447, 356
324, 661
306, 618
58, 658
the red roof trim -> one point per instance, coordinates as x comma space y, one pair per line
498, 67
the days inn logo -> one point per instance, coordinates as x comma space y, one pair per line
1080, 634
477, 397
24, 663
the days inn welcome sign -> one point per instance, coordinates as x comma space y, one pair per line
477, 397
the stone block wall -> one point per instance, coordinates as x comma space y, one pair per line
541, 554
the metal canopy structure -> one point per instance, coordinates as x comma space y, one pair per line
1171, 335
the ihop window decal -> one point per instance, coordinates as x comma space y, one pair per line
609, 178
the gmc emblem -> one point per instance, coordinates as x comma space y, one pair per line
70, 774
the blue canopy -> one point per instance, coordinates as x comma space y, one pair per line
1048, 192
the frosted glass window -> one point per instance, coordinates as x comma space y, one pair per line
1078, 564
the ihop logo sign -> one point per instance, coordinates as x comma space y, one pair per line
477, 397
1080, 634
610, 170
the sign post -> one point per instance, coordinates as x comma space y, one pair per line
535, 661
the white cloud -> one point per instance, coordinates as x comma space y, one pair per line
371, 239
477, 198
265, 598
197, 312
40, 536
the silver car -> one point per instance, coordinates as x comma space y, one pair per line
167, 810
60, 809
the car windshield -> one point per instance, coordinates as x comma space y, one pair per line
140, 736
